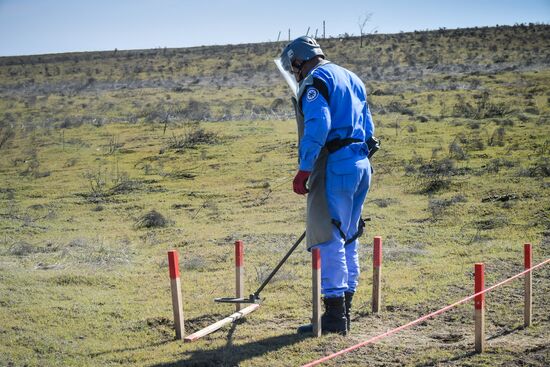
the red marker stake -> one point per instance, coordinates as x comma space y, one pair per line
239, 272
421, 319
316, 285
479, 304
377, 274
177, 304
528, 301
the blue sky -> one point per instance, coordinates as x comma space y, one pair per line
51, 26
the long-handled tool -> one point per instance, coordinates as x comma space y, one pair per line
255, 297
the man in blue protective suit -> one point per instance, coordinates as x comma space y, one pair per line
335, 130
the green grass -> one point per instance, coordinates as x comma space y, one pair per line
82, 285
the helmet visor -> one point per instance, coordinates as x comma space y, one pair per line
287, 75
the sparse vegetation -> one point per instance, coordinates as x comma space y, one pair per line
109, 159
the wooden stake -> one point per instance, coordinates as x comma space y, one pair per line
217, 325
377, 274
239, 273
479, 305
175, 284
528, 301
316, 285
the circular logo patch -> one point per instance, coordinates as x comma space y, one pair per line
312, 93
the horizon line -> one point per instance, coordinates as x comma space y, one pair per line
345, 35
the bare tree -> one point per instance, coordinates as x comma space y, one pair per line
363, 20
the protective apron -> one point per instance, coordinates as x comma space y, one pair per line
318, 219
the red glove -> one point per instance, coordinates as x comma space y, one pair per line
299, 183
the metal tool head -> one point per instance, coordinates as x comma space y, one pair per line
251, 299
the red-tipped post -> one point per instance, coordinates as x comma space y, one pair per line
239, 272
528, 293
479, 305
316, 285
177, 304
377, 274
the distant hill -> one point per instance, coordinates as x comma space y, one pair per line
422, 57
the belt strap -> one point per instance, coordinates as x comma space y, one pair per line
337, 144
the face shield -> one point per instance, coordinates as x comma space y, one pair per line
293, 57
286, 71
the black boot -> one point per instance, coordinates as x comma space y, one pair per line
333, 319
348, 298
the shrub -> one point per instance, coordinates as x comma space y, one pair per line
438, 206
33, 168
474, 143
411, 128
492, 223
125, 186
497, 138
435, 175
152, 219
504, 122
397, 107
191, 139
474, 125
277, 104
98, 185
496, 164
532, 110
482, 109
383, 203
6, 134
523, 117
22, 249
456, 151
70, 162
540, 168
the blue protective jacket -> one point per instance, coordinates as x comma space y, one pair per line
345, 115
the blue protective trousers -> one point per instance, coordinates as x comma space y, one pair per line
347, 185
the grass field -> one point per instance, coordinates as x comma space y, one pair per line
110, 159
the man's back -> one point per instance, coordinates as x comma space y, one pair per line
349, 113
